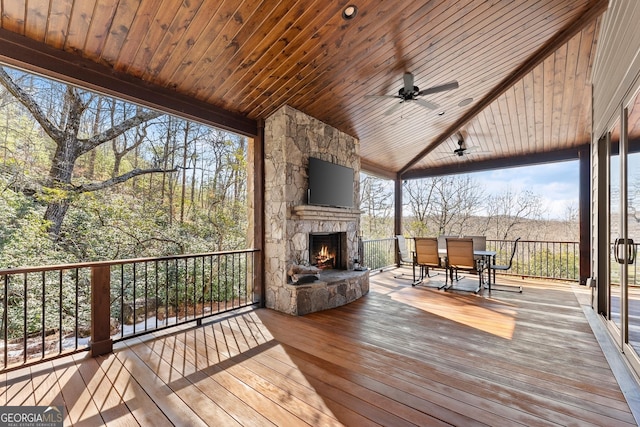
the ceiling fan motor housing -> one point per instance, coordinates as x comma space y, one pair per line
409, 95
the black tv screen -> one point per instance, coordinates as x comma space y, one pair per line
330, 184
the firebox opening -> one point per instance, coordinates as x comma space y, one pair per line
328, 250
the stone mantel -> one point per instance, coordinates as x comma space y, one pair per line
325, 213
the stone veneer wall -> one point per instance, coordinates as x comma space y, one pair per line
290, 138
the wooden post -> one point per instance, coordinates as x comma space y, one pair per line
101, 342
256, 158
397, 217
584, 213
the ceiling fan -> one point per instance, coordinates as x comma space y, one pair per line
411, 93
463, 149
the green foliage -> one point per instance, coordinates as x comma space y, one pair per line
559, 265
187, 194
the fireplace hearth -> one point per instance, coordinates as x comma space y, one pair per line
328, 250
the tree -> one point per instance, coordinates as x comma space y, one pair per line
376, 203
64, 125
509, 212
441, 205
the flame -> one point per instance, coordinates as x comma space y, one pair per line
324, 256
324, 252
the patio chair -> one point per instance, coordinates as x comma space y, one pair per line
426, 256
403, 254
460, 257
506, 267
479, 244
442, 241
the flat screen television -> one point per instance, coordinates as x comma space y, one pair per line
330, 184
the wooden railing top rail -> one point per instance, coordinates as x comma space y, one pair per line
38, 269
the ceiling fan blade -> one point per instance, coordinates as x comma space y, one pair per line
475, 149
383, 96
427, 104
393, 108
441, 88
408, 82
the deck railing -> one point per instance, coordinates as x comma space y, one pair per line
379, 254
539, 259
535, 259
54, 310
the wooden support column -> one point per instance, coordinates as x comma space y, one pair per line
101, 342
397, 206
256, 157
584, 213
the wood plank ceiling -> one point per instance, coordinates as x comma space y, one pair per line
523, 67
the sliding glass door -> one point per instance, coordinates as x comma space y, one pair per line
624, 229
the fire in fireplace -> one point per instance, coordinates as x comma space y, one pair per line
327, 250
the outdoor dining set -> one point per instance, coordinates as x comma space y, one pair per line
454, 254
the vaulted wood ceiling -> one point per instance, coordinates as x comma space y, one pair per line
523, 67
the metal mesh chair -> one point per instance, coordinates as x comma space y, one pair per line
426, 256
460, 257
506, 267
403, 254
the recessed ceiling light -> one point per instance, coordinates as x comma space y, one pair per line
465, 101
349, 12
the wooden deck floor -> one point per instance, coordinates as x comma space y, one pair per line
399, 356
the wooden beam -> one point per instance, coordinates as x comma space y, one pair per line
592, 11
497, 163
376, 170
27, 54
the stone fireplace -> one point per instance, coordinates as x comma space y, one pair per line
292, 225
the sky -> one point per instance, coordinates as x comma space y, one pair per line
556, 183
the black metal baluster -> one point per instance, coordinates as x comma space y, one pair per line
233, 281
195, 286
156, 292
76, 308
44, 304
24, 321
60, 313
218, 278
186, 288
211, 283
134, 283
122, 301
166, 293
5, 320
146, 291
226, 281
203, 285
177, 291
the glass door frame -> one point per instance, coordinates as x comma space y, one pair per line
620, 332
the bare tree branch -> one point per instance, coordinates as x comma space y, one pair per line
119, 129
31, 105
86, 188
